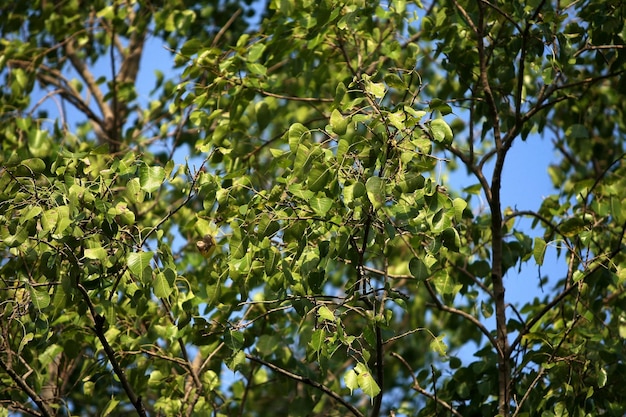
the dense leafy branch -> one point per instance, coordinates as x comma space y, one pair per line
323, 230
563, 294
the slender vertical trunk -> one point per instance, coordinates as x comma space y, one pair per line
504, 366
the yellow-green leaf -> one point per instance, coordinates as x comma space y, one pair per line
338, 122
441, 131
324, 313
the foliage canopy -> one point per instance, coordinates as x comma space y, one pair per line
347, 276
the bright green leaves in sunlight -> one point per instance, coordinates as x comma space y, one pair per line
360, 377
320, 146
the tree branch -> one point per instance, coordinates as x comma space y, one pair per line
534, 320
416, 386
98, 329
307, 381
501, 148
90, 81
45, 411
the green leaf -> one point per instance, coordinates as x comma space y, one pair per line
39, 297
445, 284
210, 379
238, 242
351, 380
572, 226
368, 384
318, 177
161, 286
459, 207
602, 378
438, 345
441, 131
539, 250
324, 313
578, 132
577, 276
375, 187
191, 47
299, 191
35, 165
440, 106
267, 344
98, 253
134, 192
353, 192
110, 407
411, 182
451, 239
237, 361
49, 219
394, 81
418, 269
616, 204
26, 339
151, 178
39, 143
321, 205
486, 309
298, 133
256, 68
234, 340
267, 227
318, 339
32, 212
255, 52
340, 92
338, 122
137, 262
375, 89
263, 114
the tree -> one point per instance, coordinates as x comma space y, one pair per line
345, 277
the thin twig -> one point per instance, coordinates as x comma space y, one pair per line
416, 386
307, 381
45, 411
224, 28
98, 329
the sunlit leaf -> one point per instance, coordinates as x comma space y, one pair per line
350, 378
441, 131
539, 250
40, 297
297, 133
325, 314
338, 122
138, 261
151, 178
161, 286
375, 187
368, 384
